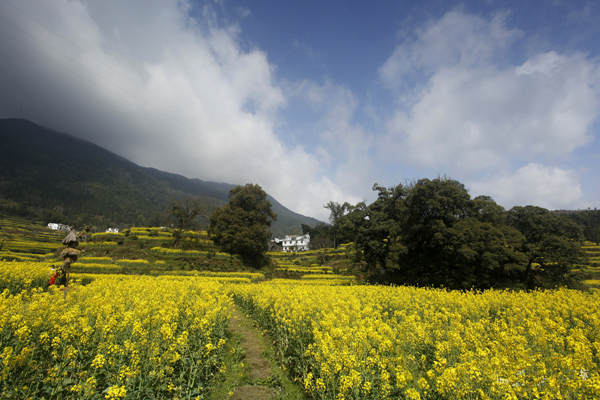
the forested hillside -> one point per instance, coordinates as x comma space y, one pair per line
49, 175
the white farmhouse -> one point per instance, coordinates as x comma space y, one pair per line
294, 243
112, 230
59, 227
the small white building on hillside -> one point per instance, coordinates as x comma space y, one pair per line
55, 226
294, 242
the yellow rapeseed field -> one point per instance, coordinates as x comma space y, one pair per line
369, 342
165, 251
16, 276
131, 336
99, 268
118, 337
95, 260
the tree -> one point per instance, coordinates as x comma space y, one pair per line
242, 226
336, 212
431, 233
482, 255
485, 209
552, 245
182, 216
588, 219
320, 235
376, 231
432, 208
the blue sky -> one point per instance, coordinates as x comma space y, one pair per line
316, 101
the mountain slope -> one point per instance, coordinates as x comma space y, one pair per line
56, 176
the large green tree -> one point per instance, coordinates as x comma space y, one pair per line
242, 226
431, 233
432, 208
459, 242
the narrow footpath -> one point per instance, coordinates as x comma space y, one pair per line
251, 373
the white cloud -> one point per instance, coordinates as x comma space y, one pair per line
469, 115
455, 39
465, 107
343, 143
549, 187
150, 82
486, 116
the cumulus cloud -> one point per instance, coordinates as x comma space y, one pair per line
344, 144
549, 187
161, 85
484, 114
488, 116
466, 105
455, 39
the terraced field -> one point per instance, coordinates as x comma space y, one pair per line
592, 270
24, 241
136, 326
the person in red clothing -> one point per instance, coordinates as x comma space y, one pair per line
52, 279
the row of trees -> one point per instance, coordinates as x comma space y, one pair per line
431, 233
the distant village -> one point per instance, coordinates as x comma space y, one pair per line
289, 243
55, 226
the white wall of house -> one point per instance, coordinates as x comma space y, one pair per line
55, 226
295, 243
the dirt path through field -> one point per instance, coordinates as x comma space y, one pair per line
251, 373
252, 343
258, 365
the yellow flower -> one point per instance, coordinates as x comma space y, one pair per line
412, 394
98, 361
115, 393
